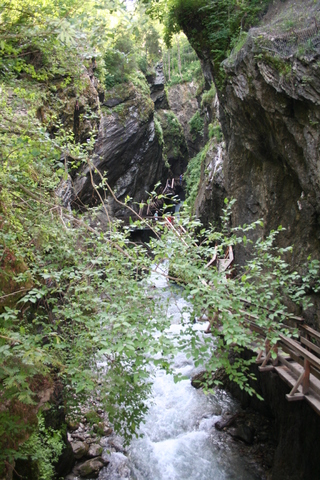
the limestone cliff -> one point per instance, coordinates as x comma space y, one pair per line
184, 104
269, 112
139, 142
127, 149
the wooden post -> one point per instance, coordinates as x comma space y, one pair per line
306, 378
267, 346
275, 349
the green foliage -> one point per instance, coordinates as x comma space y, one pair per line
266, 282
173, 125
40, 40
214, 131
133, 45
76, 299
181, 51
212, 26
43, 448
192, 175
139, 81
152, 45
208, 97
282, 66
196, 125
119, 59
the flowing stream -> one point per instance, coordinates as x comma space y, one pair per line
179, 440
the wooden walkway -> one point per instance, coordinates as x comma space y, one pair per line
297, 362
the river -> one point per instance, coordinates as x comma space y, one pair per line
178, 439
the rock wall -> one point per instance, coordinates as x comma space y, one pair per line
140, 142
184, 104
211, 193
269, 113
270, 121
127, 150
158, 93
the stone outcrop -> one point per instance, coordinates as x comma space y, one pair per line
269, 113
184, 104
270, 121
127, 151
211, 193
156, 83
175, 149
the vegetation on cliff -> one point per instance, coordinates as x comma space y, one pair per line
72, 297
212, 27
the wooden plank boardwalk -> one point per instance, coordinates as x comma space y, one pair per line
297, 363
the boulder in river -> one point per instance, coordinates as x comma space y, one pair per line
244, 433
90, 468
95, 450
80, 449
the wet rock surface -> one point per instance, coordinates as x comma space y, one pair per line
276, 424
127, 149
255, 437
98, 451
117, 469
184, 104
254, 433
157, 82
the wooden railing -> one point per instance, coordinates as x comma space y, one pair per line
297, 361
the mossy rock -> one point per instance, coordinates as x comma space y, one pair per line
174, 143
126, 99
11, 290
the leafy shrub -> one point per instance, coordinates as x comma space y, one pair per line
42, 449
208, 96
215, 24
214, 131
196, 125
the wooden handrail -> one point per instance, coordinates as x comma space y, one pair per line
310, 345
315, 361
311, 331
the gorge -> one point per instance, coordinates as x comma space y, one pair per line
103, 124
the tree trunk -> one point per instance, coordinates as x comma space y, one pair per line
169, 76
179, 57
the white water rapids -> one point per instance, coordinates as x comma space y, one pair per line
178, 438
179, 441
